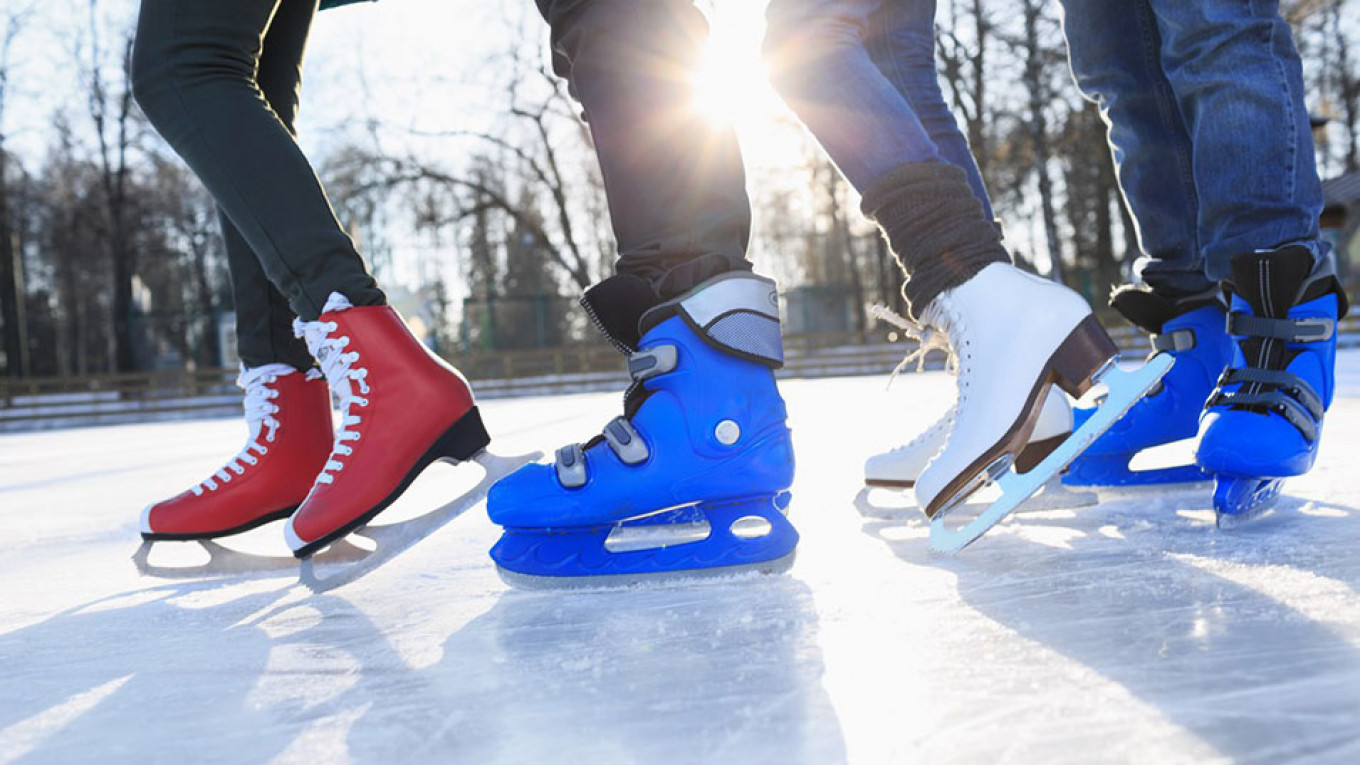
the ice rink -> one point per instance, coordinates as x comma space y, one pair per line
1132, 631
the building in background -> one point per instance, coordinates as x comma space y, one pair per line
1341, 222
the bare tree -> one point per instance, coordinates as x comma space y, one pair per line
111, 112
964, 70
12, 293
1348, 87
1036, 81
842, 242
183, 225
529, 148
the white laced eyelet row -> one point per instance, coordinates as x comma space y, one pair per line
260, 411
347, 382
942, 316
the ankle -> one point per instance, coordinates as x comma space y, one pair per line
935, 226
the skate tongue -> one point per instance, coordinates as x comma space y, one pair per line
1149, 311
616, 305
1271, 281
336, 302
249, 376
256, 402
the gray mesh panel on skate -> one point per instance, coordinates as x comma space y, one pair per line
750, 333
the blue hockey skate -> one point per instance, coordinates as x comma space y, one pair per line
1264, 421
693, 477
1190, 330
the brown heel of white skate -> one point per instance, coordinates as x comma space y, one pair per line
1078, 362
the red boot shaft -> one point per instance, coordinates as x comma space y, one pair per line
403, 408
290, 437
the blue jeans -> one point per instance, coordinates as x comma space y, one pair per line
1207, 126
861, 75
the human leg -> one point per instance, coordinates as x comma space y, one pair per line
703, 439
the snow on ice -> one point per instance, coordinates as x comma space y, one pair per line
1128, 632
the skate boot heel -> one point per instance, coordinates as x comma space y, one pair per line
1081, 358
463, 440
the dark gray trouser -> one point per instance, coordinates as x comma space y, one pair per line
219, 81
675, 181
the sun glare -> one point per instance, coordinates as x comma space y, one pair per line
730, 85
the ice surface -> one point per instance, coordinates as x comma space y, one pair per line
1128, 632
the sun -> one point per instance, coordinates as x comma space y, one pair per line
730, 85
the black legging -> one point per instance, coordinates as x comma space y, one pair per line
220, 82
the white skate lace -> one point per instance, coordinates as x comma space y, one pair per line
260, 410
342, 376
927, 339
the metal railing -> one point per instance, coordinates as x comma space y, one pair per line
55, 402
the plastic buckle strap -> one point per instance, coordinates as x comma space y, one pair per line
1305, 330
1287, 382
571, 466
626, 442
644, 365
1177, 341
1274, 401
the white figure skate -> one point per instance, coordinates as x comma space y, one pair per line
1015, 336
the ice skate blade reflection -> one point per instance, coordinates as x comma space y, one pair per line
322, 573
341, 562
1125, 389
660, 578
1114, 471
1171, 489
224, 562
1051, 496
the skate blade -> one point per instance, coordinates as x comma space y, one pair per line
226, 562
1051, 496
694, 541
1125, 389
1114, 472
1240, 501
538, 583
322, 573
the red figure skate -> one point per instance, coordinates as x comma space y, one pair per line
289, 414
402, 409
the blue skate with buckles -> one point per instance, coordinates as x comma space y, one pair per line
1264, 421
1192, 331
694, 476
